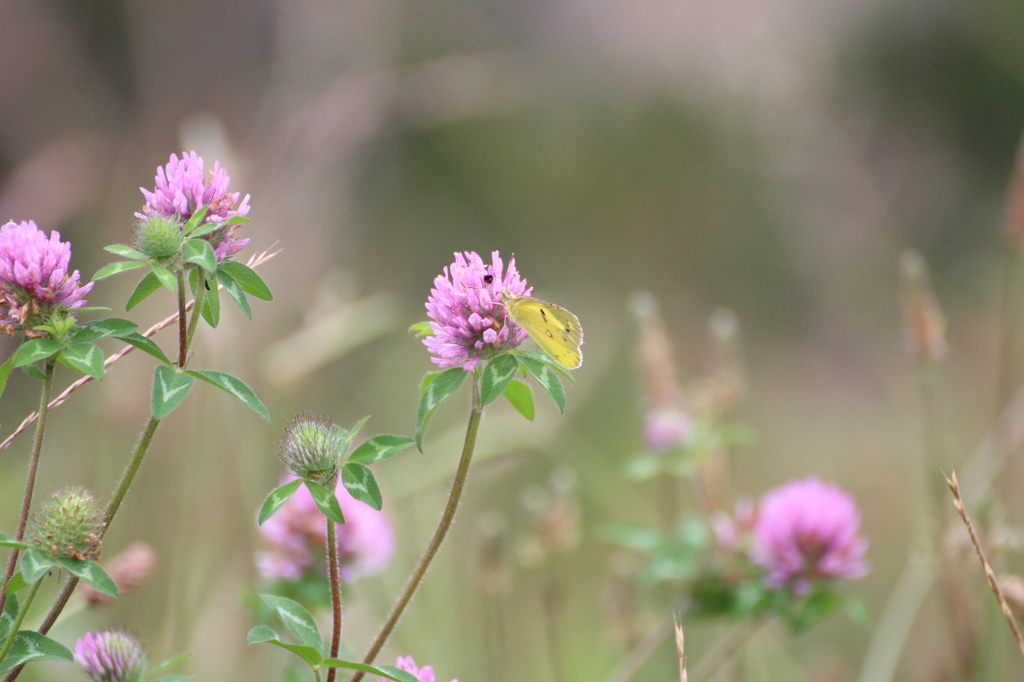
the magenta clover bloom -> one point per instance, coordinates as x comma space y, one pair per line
667, 427
110, 657
468, 319
808, 530
183, 186
34, 279
365, 541
424, 674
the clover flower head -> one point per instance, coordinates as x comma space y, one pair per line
808, 530
666, 428
313, 447
111, 656
183, 186
34, 278
68, 525
467, 317
424, 674
298, 529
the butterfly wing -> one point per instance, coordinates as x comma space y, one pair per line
555, 329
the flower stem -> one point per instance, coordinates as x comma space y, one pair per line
30, 483
442, 530
332, 567
197, 306
9, 642
182, 322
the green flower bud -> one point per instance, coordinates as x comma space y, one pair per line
313, 448
68, 525
159, 237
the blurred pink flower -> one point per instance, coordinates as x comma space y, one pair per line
808, 530
666, 428
733, 532
184, 186
298, 529
424, 674
467, 316
110, 656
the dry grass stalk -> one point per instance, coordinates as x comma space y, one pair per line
958, 502
254, 262
680, 647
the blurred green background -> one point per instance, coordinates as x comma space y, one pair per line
773, 158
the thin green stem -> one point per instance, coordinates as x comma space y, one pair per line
332, 568
30, 483
182, 321
9, 642
197, 306
442, 530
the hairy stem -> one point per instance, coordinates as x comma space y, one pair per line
332, 567
182, 321
442, 530
197, 306
9, 642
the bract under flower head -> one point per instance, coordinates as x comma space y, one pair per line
34, 279
424, 674
184, 186
808, 530
468, 319
110, 657
365, 540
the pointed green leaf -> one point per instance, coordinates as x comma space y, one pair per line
547, 379
235, 290
165, 277
247, 278
520, 395
9, 614
92, 573
195, 220
17, 583
496, 377
7, 541
388, 671
326, 502
297, 619
146, 286
232, 385
125, 252
261, 634
200, 252
422, 329
32, 646
170, 387
541, 356
208, 228
112, 326
359, 481
5, 371
174, 660
35, 564
440, 387
34, 372
86, 358
34, 350
117, 268
146, 344
276, 499
211, 306
380, 448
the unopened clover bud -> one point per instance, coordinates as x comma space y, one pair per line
159, 237
313, 447
111, 657
129, 570
68, 525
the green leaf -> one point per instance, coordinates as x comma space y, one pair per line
175, 660
170, 387
35, 564
211, 306
195, 220
380, 448
117, 268
32, 646
359, 481
388, 671
547, 379
261, 634
346, 441
235, 290
146, 286
86, 358
200, 252
541, 356
146, 344
34, 372
232, 385
165, 277
297, 619
326, 502
422, 329
520, 395
34, 350
17, 583
435, 391
9, 614
125, 252
7, 541
276, 499
5, 371
92, 573
496, 377
112, 326
247, 278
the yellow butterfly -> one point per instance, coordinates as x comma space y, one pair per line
555, 329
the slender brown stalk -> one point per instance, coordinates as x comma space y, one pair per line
30, 483
442, 530
332, 568
182, 321
958, 502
